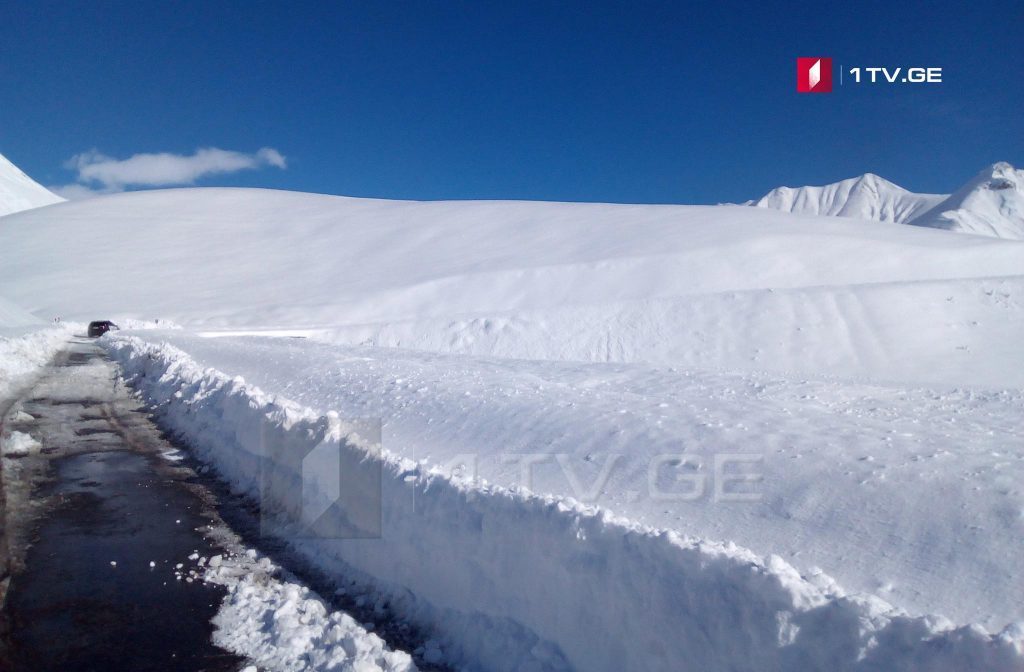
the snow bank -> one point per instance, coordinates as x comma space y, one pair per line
513, 581
22, 351
18, 444
283, 627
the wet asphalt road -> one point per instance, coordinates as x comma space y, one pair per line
86, 513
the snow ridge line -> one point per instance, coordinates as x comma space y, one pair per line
509, 580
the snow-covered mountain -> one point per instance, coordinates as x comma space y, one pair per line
730, 287
20, 192
867, 370
866, 197
992, 204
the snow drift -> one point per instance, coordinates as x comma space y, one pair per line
511, 581
20, 192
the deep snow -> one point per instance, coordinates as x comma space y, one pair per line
847, 468
511, 581
871, 372
20, 192
713, 287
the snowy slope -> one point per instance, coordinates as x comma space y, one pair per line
20, 192
712, 287
888, 422
12, 315
865, 197
992, 204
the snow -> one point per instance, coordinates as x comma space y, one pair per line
538, 280
944, 332
12, 315
992, 204
19, 444
831, 409
20, 192
284, 627
507, 578
865, 197
24, 350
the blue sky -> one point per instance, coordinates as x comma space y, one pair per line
627, 101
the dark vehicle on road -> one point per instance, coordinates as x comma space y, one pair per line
97, 329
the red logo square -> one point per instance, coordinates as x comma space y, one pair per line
814, 74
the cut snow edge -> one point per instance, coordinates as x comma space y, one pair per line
510, 580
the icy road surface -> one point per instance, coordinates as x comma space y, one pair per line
120, 559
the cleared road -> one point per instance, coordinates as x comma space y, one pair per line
97, 516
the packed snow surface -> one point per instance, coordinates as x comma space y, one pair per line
20, 192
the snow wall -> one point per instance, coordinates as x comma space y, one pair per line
508, 580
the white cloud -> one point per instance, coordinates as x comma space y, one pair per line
75, 192
98, 173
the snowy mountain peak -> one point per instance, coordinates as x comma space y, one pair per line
20, 192
867, 196
991, 204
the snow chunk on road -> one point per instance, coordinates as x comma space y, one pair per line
283, 627
18, 445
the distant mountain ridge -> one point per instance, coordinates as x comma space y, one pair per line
20, 192
991, 204
865, 197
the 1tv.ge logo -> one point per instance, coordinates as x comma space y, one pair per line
814, 74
